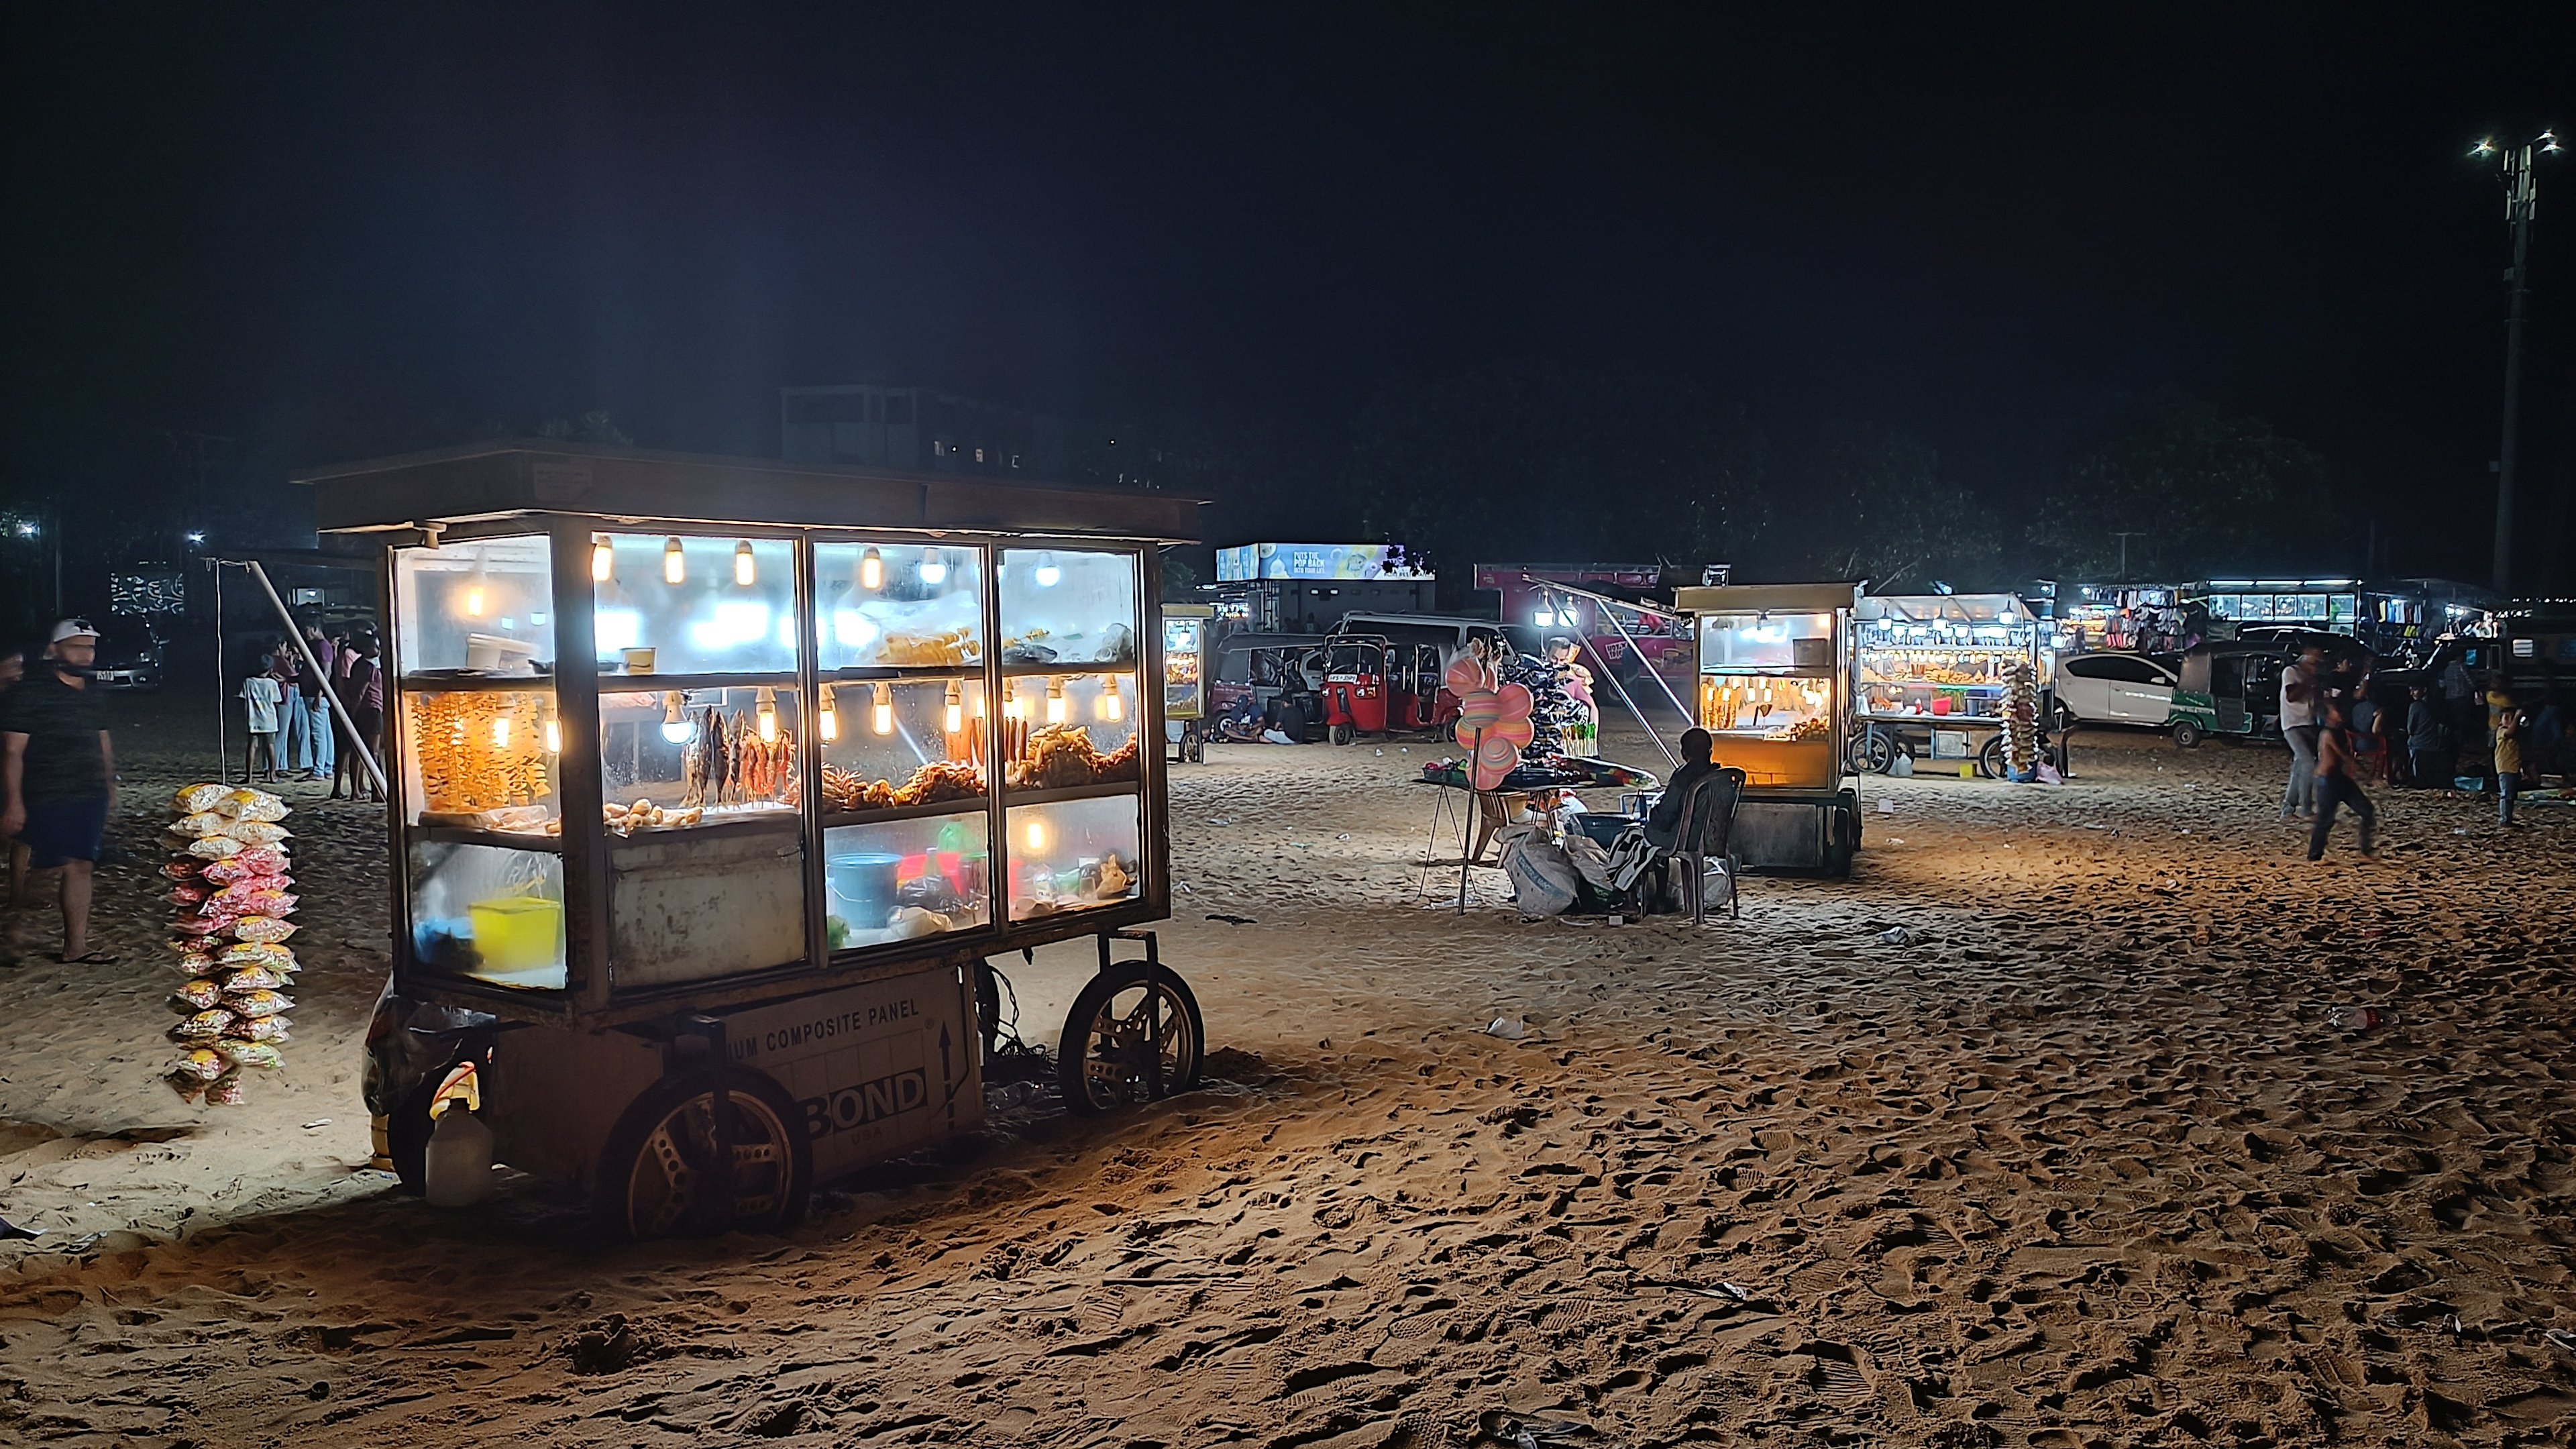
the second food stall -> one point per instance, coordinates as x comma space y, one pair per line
1775, 692
714, 782
1932, 676
1187, 631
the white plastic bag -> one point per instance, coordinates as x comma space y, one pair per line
1543, 880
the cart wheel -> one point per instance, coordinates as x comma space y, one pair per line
2186, 734
1990, 760
1872, 751
1340, 734
657, 1171
1108, 1040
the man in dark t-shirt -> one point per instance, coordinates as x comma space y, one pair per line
58, 779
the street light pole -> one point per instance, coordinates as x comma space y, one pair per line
2520, 197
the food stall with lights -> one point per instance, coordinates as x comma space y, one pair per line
1775, 693
1187, 632
714, 780
1932, 676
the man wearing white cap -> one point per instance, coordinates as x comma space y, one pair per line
58, 776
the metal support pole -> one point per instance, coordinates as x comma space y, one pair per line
339, 711
223, 705
1669, 757
2519, 197
1688, 719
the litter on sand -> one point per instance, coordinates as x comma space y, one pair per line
1509, 1028
1896, 936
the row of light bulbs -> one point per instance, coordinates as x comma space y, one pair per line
933, 568
1110, 706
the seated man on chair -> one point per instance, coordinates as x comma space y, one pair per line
1664, 822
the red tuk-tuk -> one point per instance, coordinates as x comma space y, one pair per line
1372, 686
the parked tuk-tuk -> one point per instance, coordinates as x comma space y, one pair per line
1374, 686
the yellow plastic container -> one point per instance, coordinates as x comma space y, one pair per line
518, 933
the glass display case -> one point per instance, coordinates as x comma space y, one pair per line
1939, 656
1772, 688
1185, 640
743, 757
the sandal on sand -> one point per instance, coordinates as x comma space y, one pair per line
91, 957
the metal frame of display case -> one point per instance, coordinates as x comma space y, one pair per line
1790, 829
570, 494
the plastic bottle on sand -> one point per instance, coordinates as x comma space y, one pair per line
457, 1171
2360, 1018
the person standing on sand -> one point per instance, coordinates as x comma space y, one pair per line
58, 773
2299, 688
2423, 741
2338, 782
2508, 763
311, 685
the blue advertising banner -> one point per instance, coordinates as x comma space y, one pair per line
1315, 561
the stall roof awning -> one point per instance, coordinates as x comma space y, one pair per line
482, 480
1956, 608
1783, 598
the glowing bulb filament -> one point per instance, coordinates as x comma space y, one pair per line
764, 715
554, 735
603, 561
500, 731
830, 724
1037, 835
933, 568
745, 571
1110, 706
1055, 701
675, 569
474, 601
956, 708
881, 713
872, 569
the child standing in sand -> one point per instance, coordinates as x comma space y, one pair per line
2338, 782
2508, 763
263, 697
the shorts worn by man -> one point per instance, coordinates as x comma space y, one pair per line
58, 779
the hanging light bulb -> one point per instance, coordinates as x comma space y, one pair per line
745, 571
956, 707
830, 723
934, 569
1047, 574
979, 702
474, 600
1109, 706
764, 713
501, 730
1055, 701
675, 726
872, 569
1010, 702
603, 560
1036, 834
554, 735
675, 570
881, 712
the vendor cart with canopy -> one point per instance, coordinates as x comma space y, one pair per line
715, 780
1775, 692
1932, 677
1188, 630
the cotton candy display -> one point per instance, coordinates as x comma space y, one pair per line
232, 894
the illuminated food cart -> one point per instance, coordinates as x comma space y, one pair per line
1775, 692
1186, 631
1931, 677
714, 780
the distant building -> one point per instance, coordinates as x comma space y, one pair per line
916, 430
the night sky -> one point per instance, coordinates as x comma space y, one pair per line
292, 228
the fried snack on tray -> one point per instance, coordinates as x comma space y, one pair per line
1061, 757
938, 781
461, 770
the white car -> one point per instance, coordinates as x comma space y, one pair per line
2128, 689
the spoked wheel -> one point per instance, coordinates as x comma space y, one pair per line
661, 1173
1106, 1058
1872, 751
1990, 760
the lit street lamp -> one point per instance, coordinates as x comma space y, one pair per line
2520, 195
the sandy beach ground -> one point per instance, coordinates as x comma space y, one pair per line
2083, 1165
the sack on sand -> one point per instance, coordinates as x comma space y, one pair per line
197, 797
1543, 880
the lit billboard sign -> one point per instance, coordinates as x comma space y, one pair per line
1315, 561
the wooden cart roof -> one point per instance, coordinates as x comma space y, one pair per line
1776, 598
1957, 608
481, 480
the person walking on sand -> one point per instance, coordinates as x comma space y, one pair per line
2300, 684
2508, 763
58, 776
2338, 782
